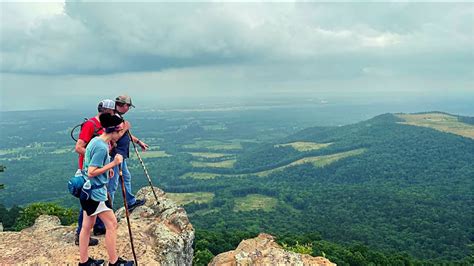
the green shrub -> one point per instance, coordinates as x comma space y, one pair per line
29, 214
202, 257
299, 248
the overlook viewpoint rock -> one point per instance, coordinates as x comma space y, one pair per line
162, 235
263, 250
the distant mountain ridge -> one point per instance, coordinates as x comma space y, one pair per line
341, 137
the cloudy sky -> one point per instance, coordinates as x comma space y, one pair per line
55, 55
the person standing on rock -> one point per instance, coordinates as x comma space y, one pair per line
90, 129
93, 197
123, 103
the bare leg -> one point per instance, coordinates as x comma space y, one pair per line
111, 225
87, 224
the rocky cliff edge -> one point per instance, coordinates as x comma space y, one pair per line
162, 235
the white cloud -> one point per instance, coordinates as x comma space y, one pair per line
382, 40
102, 37
188, 49
374, 71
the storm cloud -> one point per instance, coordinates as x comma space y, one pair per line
202, 47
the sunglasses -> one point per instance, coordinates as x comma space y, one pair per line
113, 129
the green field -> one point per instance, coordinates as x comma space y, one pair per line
152, 154
215, 127
63, 150
17, 158
185, 198
213, 145
197, 175
304, 146
317, 161
255, 202
222, 164
439, 121
203, 212
208, 155
9, 151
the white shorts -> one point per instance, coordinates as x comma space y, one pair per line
101, 208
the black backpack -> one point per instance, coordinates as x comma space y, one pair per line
95, 134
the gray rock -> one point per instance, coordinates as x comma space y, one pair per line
171, 230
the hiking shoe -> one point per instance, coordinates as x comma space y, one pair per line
137, 203
92, 262
92, 241
122, 262
99, 231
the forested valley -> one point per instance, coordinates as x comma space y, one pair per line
393, 189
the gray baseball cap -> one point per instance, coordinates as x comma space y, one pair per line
106, 104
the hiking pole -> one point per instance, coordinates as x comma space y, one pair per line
144, 168
127, 214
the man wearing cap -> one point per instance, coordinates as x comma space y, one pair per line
123, 103
89, 130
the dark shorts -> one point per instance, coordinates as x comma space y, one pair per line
90, 205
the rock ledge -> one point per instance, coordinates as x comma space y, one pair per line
162, 235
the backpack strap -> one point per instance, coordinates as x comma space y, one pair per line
97, 186
96, 128
75, 127
92, 186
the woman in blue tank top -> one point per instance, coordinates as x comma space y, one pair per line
98, 168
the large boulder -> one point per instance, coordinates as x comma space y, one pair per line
263, 250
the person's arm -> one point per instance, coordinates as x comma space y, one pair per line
93, 171
140, 143
87, 131
81, 146
126, 127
